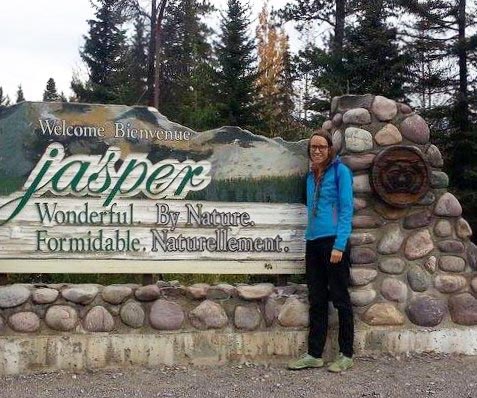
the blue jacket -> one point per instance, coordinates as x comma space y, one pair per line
332, 215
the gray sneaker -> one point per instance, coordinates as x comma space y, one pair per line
340, 364
306, 361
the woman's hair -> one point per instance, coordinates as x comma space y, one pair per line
329, 141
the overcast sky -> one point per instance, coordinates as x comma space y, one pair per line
41, 38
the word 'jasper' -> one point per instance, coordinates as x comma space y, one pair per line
95, 175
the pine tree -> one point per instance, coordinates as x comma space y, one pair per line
20, 95
51, 94
274, 82
135, 86
373, 62
186, 71
104, 53
236, 75
4, 100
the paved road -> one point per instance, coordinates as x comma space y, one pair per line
416, 376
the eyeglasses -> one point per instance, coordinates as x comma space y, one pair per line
321, 148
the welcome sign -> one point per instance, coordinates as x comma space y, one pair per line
95, 188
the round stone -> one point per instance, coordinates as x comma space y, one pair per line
208, 315
361, 238
198, 291
359, 162
327, 125
388, 135
337, 140
80, 294
383, 314
415, 129
384, 108
430, 265
443, 228
390, 212
271, 311
222, 291
361, 184
439, 180
463, 309
132, 314
452, 264
61, 317
359, 204
405, 109
366, 222
357, 116
362, 276
293, 313
392, 240
24, 322
98, 319
451, 246
393, 265
418, 279
418, 245
44, 295
418, 219
434, 156
425, 310
394, 290
473, 284
255, 292
11, 296
428, 199
116, 294
168, 315
362, 255
347, 102
338, 119
247, 318
463, 229
358, 140
362, 297
449, 283
148, 293
472, 255
448, 206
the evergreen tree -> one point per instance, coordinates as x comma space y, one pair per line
104, 53
236, 75
373, 62
186, 70
20, 95
50, 94
135, 86
274, 82
4, 100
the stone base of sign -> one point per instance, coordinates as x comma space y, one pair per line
82, 352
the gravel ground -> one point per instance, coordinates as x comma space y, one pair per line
426, 375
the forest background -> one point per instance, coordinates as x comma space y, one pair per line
169, 54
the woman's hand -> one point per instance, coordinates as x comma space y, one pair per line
336, 256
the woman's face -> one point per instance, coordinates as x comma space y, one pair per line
319, 150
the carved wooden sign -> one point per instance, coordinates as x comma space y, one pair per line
400, 176
99, 188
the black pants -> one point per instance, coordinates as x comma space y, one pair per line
327, 282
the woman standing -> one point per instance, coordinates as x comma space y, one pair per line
329, 187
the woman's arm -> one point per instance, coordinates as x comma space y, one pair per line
345, 207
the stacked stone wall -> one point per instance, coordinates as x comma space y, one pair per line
414, 264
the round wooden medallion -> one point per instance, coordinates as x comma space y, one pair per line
400, 175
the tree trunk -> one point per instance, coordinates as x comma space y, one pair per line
151, 56
158, 48
462, 111
337, 46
